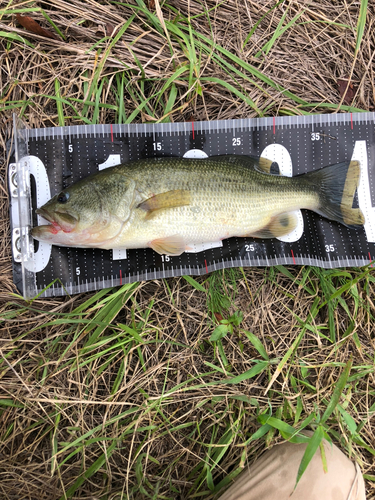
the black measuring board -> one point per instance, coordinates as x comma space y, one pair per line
296, 145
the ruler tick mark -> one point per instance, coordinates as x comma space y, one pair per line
192, 128
111, 133
274, 125
294, 260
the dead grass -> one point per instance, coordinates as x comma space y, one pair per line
149, 411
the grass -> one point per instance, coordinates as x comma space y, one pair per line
139, 383
168, 389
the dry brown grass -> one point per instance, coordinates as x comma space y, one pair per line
61, 388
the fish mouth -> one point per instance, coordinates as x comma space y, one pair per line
46, 215
44, 233
41, 211
60, 221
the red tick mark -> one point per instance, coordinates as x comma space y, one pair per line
351, 120
120, 277
294, 260
192, 127
274, 126
370, 258
205, 263
111, 133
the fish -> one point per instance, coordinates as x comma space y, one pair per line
171, 203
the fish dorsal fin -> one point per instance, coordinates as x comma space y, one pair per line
263, 165
279, 225
171, 245
169, 199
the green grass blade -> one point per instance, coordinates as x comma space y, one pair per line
60, 111
279, 32
14, 36
339, 387
361, 24
252, 31
234, 91
6, 12
99, 462
121, 116
195, 284
286, 357
247, 67
277, 424
310, 451
46, 16
349, 420
257, 344
255, 370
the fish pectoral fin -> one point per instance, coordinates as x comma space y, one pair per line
171, 245
279, 225
169, 199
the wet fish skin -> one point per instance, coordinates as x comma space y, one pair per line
169, 203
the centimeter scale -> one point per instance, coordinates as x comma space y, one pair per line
45, 161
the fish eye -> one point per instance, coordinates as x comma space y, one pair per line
63, 197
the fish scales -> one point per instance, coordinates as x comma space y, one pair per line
227, 199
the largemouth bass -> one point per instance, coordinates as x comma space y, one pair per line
168, 204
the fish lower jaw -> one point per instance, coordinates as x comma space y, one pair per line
54, 229
45, 230
52, 234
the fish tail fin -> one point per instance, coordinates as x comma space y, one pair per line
336, 185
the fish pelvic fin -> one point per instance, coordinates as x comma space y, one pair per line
336, 187
171, 245
169, 199
279, 225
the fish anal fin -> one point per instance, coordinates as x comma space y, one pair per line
171, 245
279, 225
169, 199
